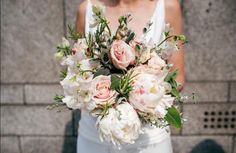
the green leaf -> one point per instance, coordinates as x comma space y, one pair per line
175, 92
171, 75
182, 38
73, 34
96, 10
63, 74
130, 37
58, 98
102, 71
173, 117
115, 82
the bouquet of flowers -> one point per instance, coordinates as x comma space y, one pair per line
122, 81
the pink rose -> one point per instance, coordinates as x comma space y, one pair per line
101, 90
121, 54
156, 63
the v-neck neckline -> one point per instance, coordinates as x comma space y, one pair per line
150, 18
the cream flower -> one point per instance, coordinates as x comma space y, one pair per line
148, 93
125, 128
70, 84
72, 102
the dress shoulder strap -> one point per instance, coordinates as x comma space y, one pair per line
158, 22
88, 16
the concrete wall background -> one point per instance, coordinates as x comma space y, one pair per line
29, 76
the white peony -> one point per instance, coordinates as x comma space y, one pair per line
120, 126
161, 108
149, 94
72, 102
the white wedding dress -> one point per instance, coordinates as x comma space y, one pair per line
154, 140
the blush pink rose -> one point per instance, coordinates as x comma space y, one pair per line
156, 63
121, 54
101, 90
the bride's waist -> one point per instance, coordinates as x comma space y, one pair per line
87, 125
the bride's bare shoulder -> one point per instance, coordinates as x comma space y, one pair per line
172, 7
172, 4
80, 17
173, 13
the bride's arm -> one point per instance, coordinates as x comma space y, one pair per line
80, 18
174, 17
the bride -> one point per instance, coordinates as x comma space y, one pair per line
159, 12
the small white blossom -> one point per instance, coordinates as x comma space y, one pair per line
72, 102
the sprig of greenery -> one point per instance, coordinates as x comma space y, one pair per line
66, 50
171, 79
90, 42
103, 109
103, 23
175, 38
73, 34
123, 85
63, 74
58, 104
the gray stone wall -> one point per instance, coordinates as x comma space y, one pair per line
29, 76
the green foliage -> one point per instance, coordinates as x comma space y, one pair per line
173, 117
102, 71
122, 84
58, 98
73, 34
171, 79
102, 21
115, 82
58, 104
66, 50
130, 37
122, 21
63, 74
104, 110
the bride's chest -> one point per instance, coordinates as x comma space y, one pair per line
138, 20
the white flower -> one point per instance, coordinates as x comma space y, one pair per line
149, 91
72, 102
59, 55
161, 108
69, 84
169, 48
145, 55
156, 63
120, 126
85, 68
68, 61
80, 48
